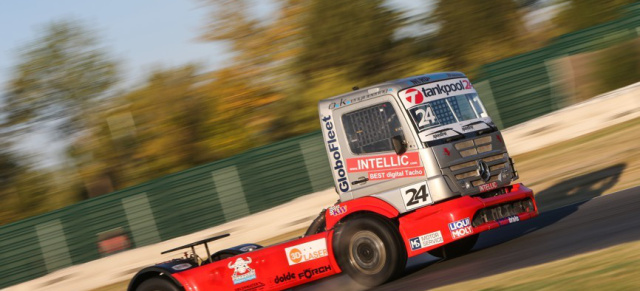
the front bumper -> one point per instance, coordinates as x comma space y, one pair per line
464, 216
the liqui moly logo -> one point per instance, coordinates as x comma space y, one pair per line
460, 228
436, 90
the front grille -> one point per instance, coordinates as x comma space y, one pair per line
468, 171
474, 146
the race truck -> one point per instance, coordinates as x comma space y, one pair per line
419, 167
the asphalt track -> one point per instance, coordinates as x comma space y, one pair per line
564, 232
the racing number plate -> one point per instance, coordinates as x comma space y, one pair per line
416, 195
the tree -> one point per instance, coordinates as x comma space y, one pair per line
472, 33
579, 14
58, 77
355, 36
263, 70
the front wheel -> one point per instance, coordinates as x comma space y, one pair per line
456, 248
369, 250
157, 284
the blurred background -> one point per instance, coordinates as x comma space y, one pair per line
80, 119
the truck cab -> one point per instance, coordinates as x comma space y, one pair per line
414, 142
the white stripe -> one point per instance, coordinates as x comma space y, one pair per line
141, 220
53, 244
312, 153
230, 193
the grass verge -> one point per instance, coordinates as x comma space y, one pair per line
614, 268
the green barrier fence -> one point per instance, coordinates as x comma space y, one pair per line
525, 86
165, 208
514, 90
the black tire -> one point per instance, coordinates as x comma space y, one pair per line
369, 250
456, 248
318, 225
157, 284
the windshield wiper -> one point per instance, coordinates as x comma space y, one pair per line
493, 127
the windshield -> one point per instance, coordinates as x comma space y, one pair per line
449, 110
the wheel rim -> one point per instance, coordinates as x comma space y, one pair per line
367, 252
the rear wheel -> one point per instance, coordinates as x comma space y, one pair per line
157, 284
456, 248
369, 250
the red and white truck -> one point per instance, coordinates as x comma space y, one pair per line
419, 167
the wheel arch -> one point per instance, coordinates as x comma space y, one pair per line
152, 272
358, 207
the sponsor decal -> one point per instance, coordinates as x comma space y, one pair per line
440, 134
416, 95
383, 162
415, 196
427, 240
347, 101
309, 273
460, 228
180, 267
413, 96
386, 167
284, 278
251, 287
468, 127
337, 210
509, 220
339, 173
488, 187
419, 80
305, 252
242, 272
396, 174
455, 75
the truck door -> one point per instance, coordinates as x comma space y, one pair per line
373, 167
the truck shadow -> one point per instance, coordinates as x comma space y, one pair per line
558, 202
515, 251
579, 189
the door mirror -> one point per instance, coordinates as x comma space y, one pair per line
399, 144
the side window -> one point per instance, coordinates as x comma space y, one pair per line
370, 129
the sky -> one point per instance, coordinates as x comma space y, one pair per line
140, 34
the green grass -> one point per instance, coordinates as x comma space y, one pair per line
614, 268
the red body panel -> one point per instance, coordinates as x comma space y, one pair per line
368, 203
271, 268
437, 217
280, 266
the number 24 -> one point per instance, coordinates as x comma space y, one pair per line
426, 116
417, 195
